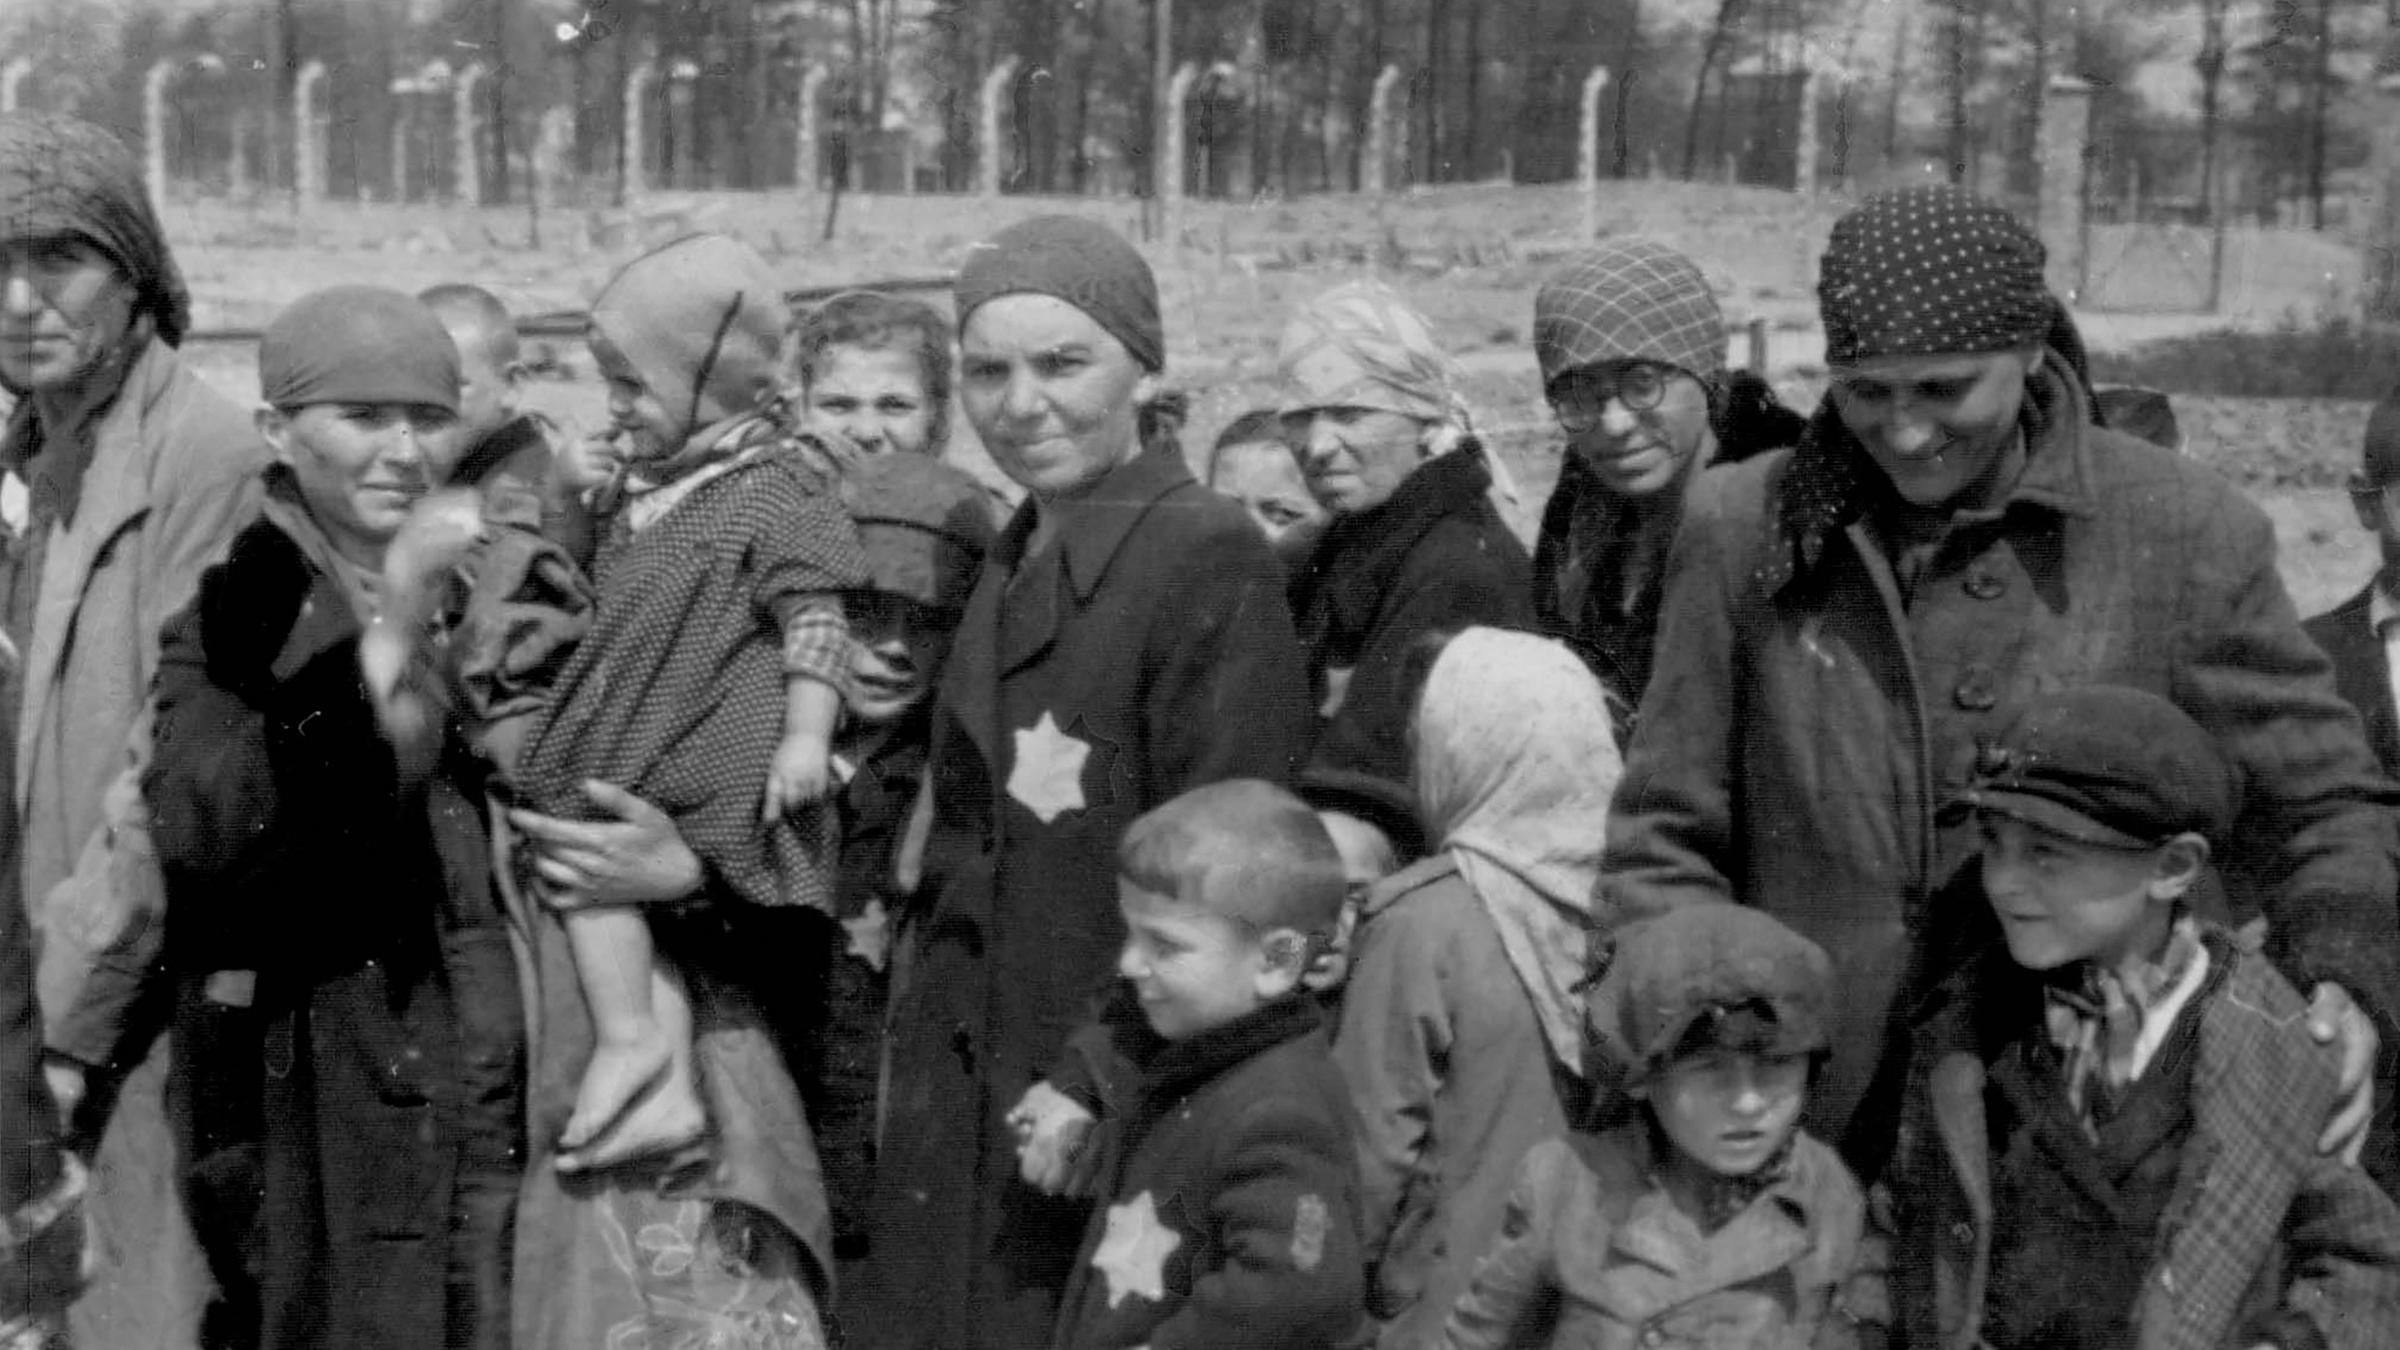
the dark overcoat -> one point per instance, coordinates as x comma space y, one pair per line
332, 1062
1804, 724
1149, 651
1433, 558
2259, 1227
1233, 1216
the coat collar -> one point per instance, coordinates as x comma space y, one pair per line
1677, 1262
1094, 525
1830, 485
1366, 551
1174, 1069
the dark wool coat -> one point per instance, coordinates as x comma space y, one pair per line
2362, 671
1147, 653
1232, 1219
1432, 559
1598, 575
1803, 726
343, 1066
2260, 1228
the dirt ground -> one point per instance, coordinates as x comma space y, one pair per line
1469, 256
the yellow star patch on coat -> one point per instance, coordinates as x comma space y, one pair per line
1048, 776
1133, 1252
870, 934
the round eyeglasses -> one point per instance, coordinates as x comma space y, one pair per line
1580, 400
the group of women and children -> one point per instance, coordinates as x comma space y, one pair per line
1900, 875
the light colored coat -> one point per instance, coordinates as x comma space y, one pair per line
174, 472
1453, 1083
1595, 1256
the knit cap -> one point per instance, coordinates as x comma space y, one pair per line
1628, 300
1082, 262
923, 525
701, 320
2104, 764
1709, 961
357, 344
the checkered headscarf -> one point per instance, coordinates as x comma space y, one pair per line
1630, 299
1931, 271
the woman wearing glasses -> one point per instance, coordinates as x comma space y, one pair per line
1415, 546
1632, 349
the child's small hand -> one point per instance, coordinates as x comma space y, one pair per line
587, 462
1051, 1129
802, 773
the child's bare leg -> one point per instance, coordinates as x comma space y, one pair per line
638, 1090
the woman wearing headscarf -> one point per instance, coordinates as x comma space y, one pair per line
1462, 1028
1845, 621
1632, 351
1128, 641
1414, 546
136, 474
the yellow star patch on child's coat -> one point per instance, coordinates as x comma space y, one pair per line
870, 934
1048, 776
1133, 1252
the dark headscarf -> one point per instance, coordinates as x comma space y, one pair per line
61, 176
1931, 271
1082, 262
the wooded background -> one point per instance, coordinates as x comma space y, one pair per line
2264, 101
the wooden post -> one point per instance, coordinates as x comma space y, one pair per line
154, 136
308, 136
683, 132
465, 123
12, 79
2062, 144
1804, 152
635, 180
807, 155
1170, 151
1375, 176
1587, 149
2382, 253
994, 105
1756, 331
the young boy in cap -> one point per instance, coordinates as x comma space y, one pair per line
924, 528
1710, 1218
2109, 1130
1230, 1214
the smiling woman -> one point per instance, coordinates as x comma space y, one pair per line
1128, 641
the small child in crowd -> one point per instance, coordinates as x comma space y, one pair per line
1254, 465
500, 450
1461, 1030
1229, 1212
2110, 1128
924, 528
1711, 1219
875, 368
711, 678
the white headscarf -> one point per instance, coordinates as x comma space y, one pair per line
1515, 761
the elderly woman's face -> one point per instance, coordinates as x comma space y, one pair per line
1355, 458
1636, 424
63, 308
360, 466
1054, 395
1938, 426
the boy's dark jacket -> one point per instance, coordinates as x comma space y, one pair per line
2259, 1231
1236, 1191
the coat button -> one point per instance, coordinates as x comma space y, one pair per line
1651, 1335
1963, 1234
1985, 585
1975, 693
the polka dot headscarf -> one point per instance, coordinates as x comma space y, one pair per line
1933, 271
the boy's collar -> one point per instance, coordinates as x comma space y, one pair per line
1179, 1066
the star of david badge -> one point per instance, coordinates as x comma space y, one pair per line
870, 934
1133, 1251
